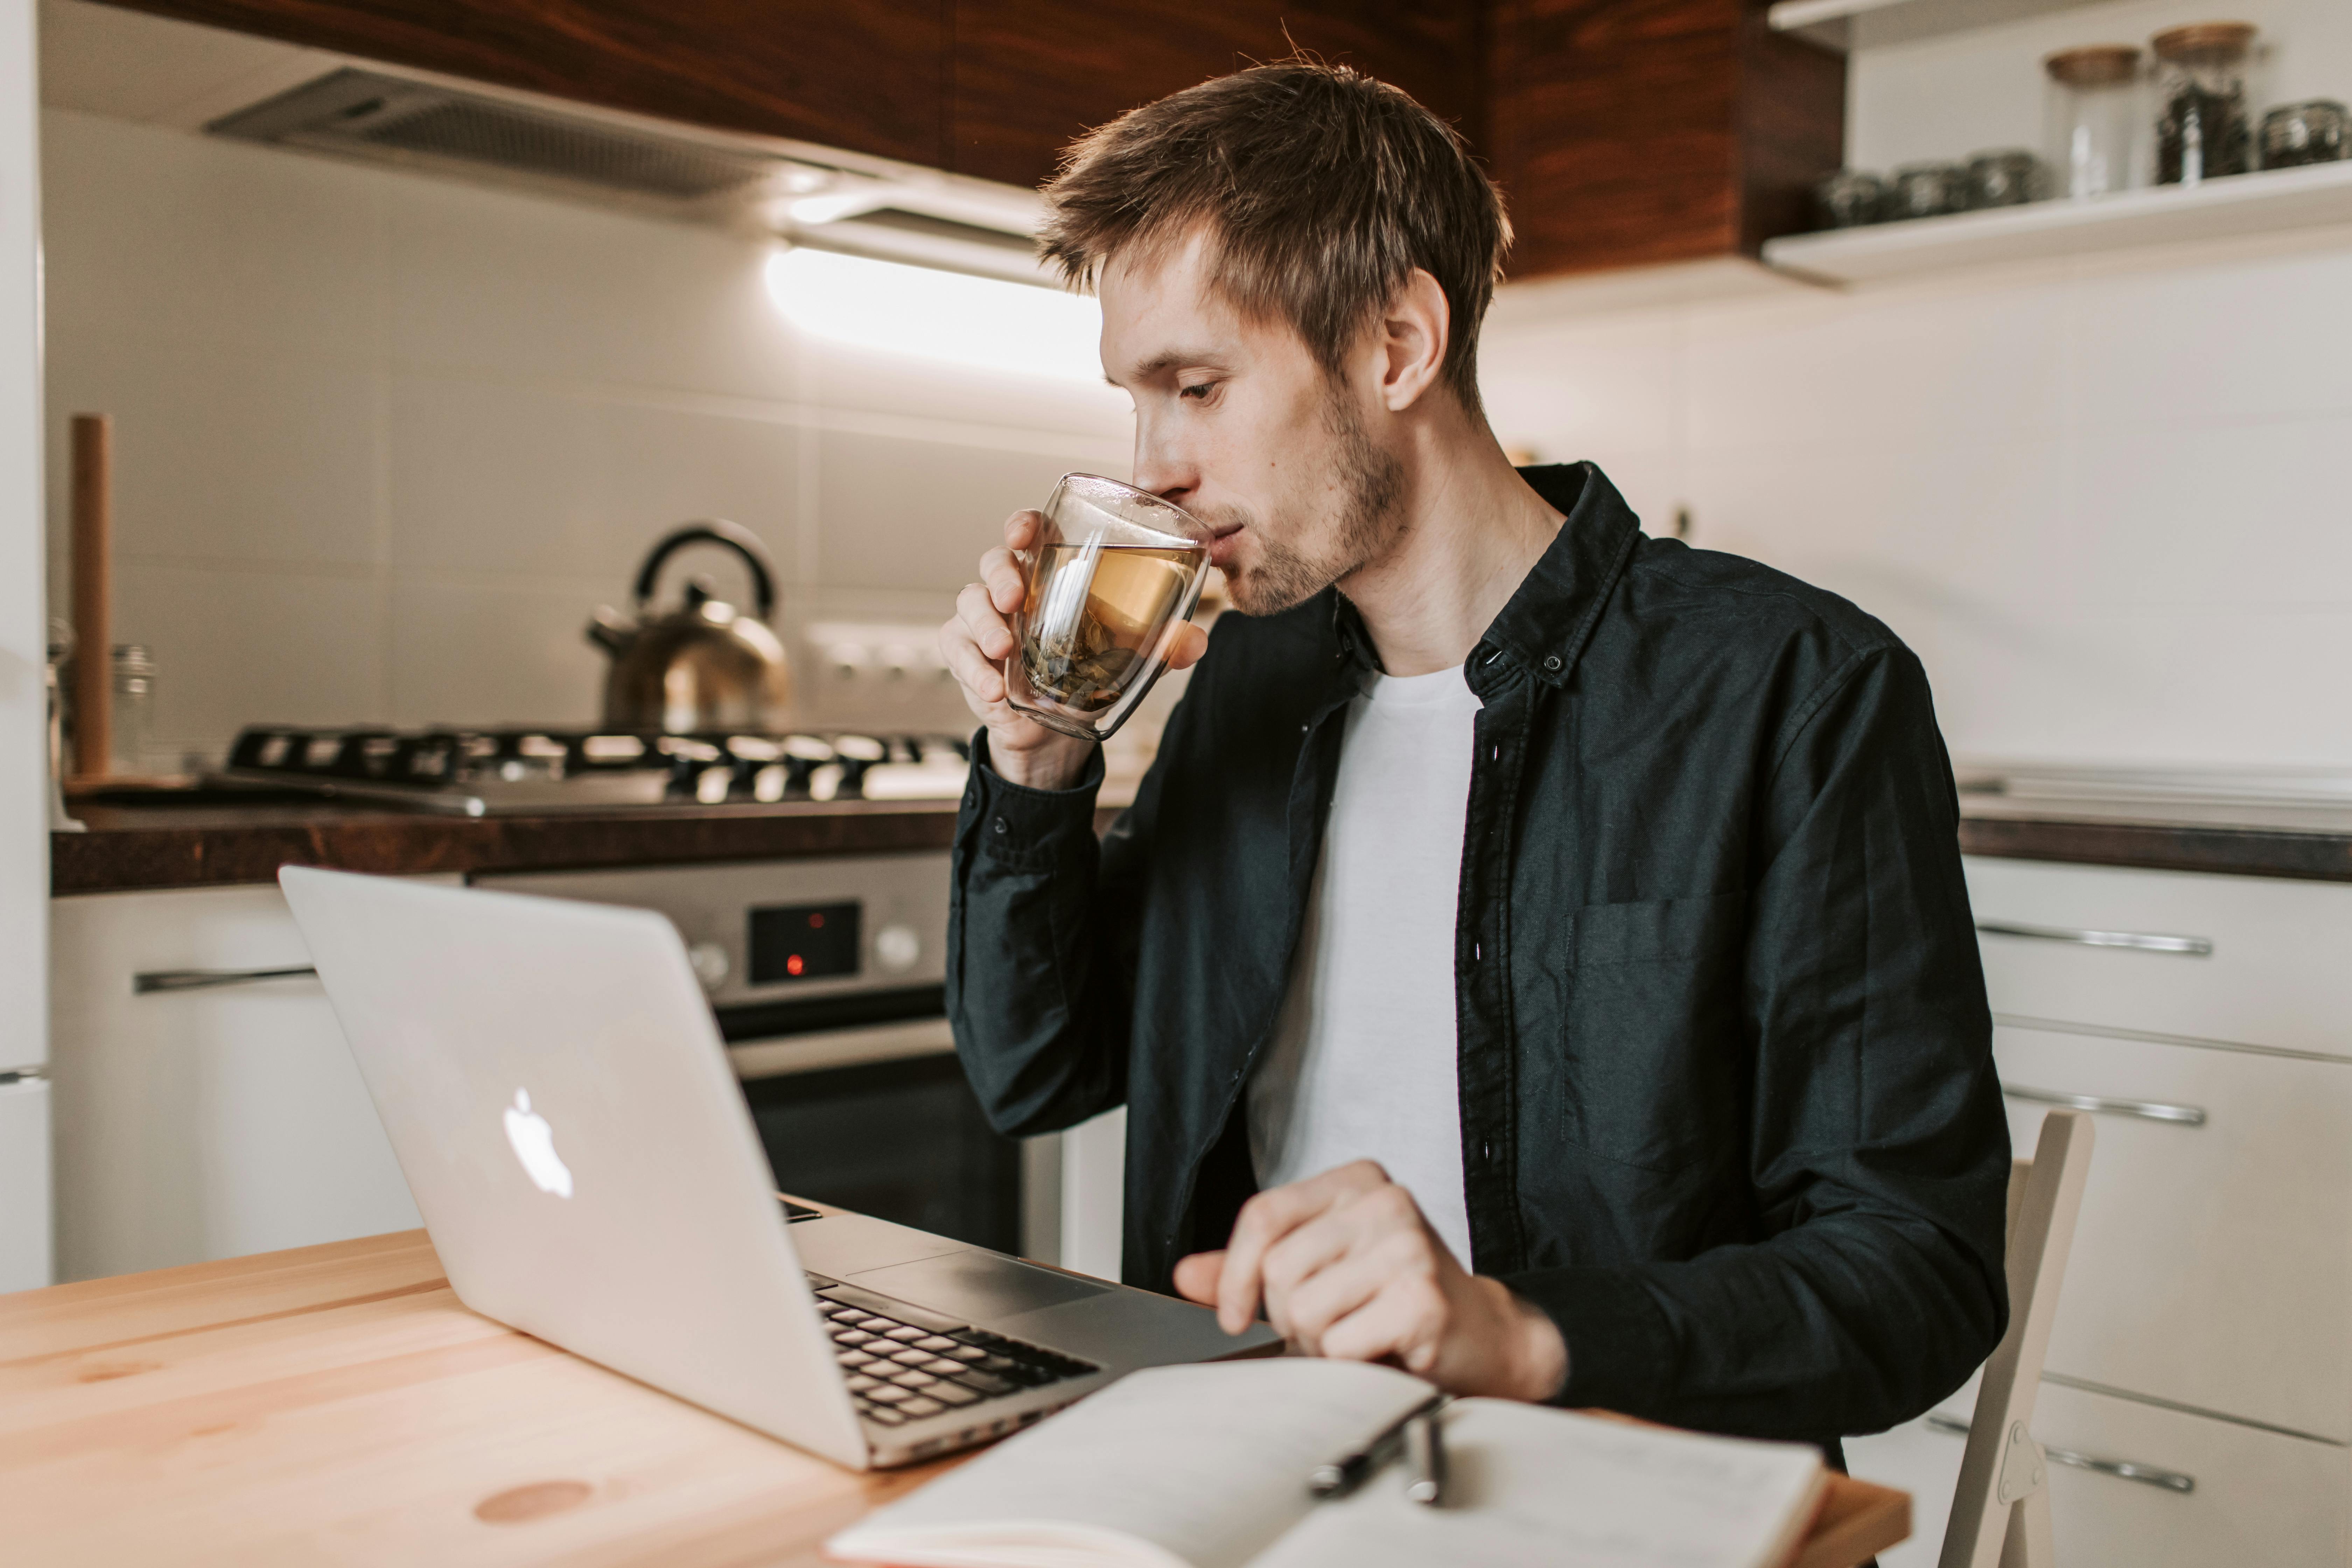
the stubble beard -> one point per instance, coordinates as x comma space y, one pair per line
1370, 519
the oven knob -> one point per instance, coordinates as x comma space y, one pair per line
897, 947
711, 965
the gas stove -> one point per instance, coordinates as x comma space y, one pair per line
478, 772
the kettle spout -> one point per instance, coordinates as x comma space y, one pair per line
609, 631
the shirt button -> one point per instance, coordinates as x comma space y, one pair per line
1551, 661
1000, 826
1304, 728
1487, 1152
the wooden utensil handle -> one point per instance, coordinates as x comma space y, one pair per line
93, 594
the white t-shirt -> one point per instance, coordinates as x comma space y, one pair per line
1362, 1065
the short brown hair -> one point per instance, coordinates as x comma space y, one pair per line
1321, 187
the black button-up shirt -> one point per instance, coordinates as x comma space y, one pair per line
1727, 1105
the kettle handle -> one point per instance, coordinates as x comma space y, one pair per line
714, 530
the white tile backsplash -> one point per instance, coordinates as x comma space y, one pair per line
2103, 502
383, 442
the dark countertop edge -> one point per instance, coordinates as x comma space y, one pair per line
128, 856
2163, 847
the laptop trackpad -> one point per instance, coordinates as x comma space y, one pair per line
977, 1285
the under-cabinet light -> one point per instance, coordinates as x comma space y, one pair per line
956, 317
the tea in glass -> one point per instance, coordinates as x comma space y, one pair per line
1114, 572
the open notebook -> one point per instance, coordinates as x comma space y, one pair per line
1206, 1466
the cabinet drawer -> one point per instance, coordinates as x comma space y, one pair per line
206, 1123
2213, 1263
2256, 1497
2276, 974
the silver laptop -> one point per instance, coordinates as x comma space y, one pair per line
555, 1087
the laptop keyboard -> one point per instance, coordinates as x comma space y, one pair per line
899, 1371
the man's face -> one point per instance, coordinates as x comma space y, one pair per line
1236, 423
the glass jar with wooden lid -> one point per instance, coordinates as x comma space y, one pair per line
2094, 119
2201, 126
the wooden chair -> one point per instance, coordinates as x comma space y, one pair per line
2001, 1511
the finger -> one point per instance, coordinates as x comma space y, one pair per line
1021, 528
1347, 1283
1007, 582
1293, 1263
987, 629
982, 678
1196, 1275
1267, 1218
1185, 648
1318, 1275
1405, 1321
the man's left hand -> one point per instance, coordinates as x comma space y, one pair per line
1348, 1268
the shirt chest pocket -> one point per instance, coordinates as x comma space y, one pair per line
1652, 1039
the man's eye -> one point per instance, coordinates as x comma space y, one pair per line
1199, 391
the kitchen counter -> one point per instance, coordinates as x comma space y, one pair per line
338, 1404
165, 845
2250, 824
155, 845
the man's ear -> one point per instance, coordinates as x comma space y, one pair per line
1414, 329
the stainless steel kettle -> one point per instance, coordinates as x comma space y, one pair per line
704, 665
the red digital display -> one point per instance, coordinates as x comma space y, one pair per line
804, 941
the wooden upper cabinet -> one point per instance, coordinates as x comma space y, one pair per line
1030, 75
1623, 132
866, 75
1626, 133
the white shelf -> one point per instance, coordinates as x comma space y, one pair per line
2276, 202
1844, 24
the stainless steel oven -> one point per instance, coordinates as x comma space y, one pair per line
825, 977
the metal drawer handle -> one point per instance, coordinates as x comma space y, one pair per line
206, 979
2146, 1109
2139, 941
2122, 1470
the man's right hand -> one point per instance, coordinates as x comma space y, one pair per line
978, 640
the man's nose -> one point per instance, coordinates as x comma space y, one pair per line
1161, 469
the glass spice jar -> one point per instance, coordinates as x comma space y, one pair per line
2201, 130
1926, 190
1848, 199
2093, 118
134, 706
2005, 177
2295, 135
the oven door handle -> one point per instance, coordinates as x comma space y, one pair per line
816, 1051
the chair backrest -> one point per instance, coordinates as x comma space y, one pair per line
2002, 1464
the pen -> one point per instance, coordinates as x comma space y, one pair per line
1338, 1477
1425, 1445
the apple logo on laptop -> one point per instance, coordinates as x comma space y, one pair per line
534, 1145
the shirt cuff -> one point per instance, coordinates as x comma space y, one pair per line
1023, 826
1620, 1351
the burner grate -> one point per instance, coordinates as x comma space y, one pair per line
478, 771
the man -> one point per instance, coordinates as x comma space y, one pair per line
1539, 954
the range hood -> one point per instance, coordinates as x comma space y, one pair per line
812, 196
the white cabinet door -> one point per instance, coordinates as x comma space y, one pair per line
2276, 974
25, 1249
2213, 1263
205, 1124
2253, 1497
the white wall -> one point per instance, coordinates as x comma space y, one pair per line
25, 1251
2107, 506
383, 441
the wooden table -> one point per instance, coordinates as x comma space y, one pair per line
336, 1404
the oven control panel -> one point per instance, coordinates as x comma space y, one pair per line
779, 931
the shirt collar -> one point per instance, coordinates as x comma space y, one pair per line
1548, 619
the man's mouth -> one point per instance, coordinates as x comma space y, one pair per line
1223, 543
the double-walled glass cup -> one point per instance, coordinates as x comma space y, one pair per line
1114, 572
